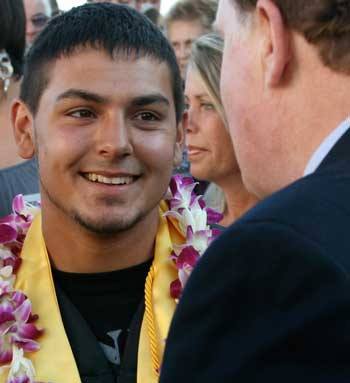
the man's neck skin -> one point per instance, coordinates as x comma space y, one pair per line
72, 248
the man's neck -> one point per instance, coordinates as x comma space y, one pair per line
73, 248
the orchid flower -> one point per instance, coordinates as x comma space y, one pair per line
194, 219
18, 333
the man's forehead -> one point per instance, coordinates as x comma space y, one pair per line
92, 68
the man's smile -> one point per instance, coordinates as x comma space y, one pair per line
120, 180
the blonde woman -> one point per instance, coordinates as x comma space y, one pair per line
209, 146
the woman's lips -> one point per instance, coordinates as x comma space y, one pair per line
193, 151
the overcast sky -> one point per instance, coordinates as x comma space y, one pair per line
67, 4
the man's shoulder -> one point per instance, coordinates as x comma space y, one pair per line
311, 215
316, 193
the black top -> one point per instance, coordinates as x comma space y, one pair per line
105, 305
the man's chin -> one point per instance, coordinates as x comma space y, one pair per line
102, 226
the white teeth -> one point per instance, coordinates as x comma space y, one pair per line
109, 180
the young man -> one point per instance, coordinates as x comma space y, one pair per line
100, 103
269, 302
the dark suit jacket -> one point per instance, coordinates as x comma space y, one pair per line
270, 299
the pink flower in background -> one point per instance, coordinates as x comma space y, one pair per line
18, 333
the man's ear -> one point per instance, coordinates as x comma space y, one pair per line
179, 145
23, 129
276, 44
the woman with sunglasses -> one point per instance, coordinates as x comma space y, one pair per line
16, 176
210, 151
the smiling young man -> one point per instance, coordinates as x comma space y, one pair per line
100, 103
269, 300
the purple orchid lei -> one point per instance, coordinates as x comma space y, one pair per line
194, 219
18, 333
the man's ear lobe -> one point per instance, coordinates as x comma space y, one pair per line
276, 45
23, 128
179, 145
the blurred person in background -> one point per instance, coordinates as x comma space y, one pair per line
55, 8
16, 176
150, 8
209, 147
131, 3
38, 13
145, 4
185, 22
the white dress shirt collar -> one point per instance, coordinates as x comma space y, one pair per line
326, 146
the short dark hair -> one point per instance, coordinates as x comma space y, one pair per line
324, 23
116, 29
12, 32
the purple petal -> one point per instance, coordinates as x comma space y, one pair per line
202, 203
27, 345
213, 216
188, 256
184, 276
18, 204
175, 289
189, 234
19, 379
7, 234
22, 313
15, 262
175, 180
6, 314
28, 332
185, 181
9, 219
18, 298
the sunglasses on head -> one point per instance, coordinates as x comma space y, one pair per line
39, 20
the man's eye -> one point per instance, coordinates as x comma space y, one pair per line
147, 116
82, 113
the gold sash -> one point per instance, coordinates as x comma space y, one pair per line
54, 362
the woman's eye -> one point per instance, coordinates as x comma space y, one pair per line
207, 106
82, 113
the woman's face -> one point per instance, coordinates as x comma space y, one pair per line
209, 145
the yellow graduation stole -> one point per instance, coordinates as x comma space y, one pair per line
54, 362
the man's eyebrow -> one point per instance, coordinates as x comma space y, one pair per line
150, 99
82, 94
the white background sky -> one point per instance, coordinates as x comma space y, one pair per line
67, 4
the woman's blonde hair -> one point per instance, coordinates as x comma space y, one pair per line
206, 59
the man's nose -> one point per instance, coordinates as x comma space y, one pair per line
113, 138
